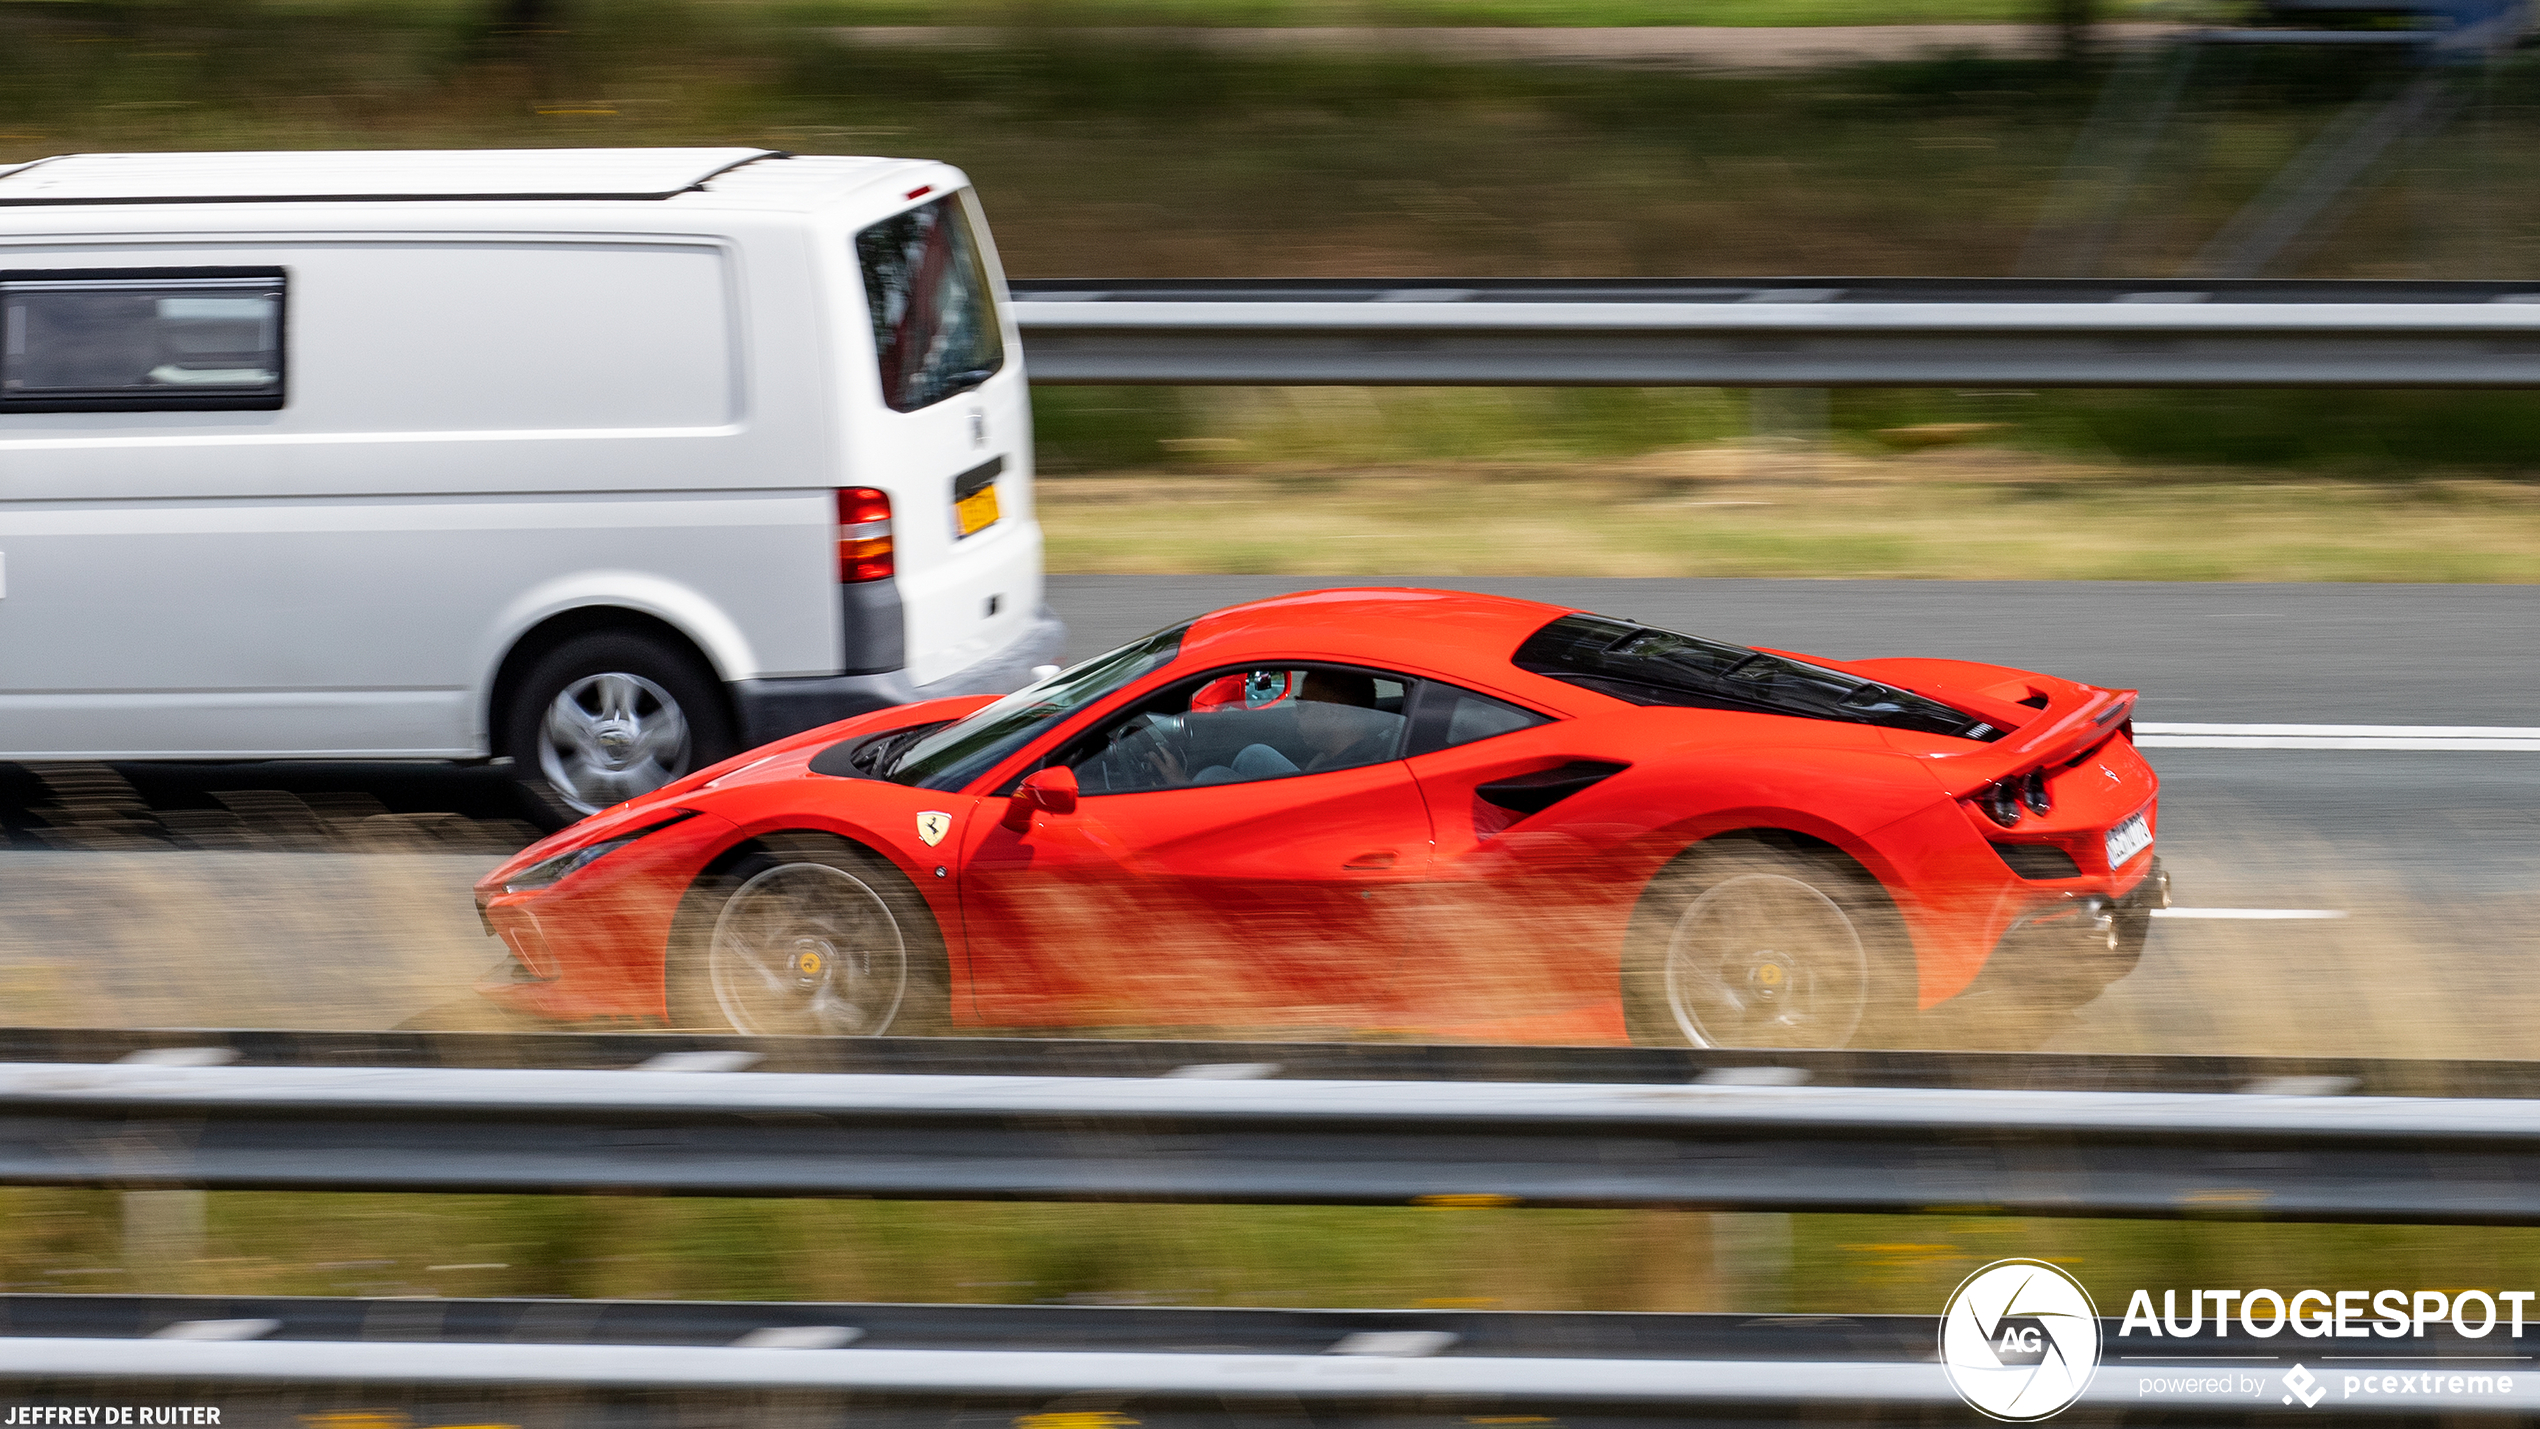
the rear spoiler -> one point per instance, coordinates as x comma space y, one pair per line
2077, 718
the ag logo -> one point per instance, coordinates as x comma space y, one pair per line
932, 826
2020, 1340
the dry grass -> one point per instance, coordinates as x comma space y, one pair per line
310, 940
2420, 966
1743, 509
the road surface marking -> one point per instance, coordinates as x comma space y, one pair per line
2249, 913
2456, 737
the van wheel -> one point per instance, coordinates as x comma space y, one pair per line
809, 936
612, 714
1745, 945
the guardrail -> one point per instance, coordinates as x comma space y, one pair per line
633, 1363
1754, 1132
1312, 1061
1759, 332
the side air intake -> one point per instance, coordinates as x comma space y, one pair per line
1536, 792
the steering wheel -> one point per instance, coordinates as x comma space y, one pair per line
1152, 753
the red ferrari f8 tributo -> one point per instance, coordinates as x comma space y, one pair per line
1405, 812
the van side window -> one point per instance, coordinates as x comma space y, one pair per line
934, 316
141, 340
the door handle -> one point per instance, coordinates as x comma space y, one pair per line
1377, 858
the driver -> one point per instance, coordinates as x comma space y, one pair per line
1329, 722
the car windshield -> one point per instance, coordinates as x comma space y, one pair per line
960, 752
1660, 667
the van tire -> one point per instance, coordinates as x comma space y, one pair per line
607, 715
738, 947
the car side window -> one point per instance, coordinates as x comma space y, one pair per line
1445, 716
1243, 726
934, 314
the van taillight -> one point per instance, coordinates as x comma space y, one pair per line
864, 534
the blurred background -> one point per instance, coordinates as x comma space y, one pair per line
1520, 138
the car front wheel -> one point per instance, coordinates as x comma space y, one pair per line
808, 936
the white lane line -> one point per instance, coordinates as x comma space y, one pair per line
2457, 737
2253, 914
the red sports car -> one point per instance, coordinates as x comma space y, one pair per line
1406, 812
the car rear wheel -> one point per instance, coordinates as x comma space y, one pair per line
1747, 945
611, 714
808, 936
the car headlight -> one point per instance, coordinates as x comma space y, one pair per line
548, 872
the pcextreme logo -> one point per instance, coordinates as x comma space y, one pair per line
2020, 1340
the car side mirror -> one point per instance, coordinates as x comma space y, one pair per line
1048, 791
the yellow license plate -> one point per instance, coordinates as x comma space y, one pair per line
976, 512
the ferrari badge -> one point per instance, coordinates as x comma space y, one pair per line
932, 826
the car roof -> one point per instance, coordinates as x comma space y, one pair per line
435, 175
1444, 630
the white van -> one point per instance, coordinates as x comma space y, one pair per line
610, 462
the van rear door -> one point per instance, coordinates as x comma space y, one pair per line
953, 445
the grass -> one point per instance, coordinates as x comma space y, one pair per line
1742, 511
1468, 12
1030, 14
2335, 434
2327, 486
617, 1247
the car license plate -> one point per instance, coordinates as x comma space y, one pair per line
2128, 839
977, 512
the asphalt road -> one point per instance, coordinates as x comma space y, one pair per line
2293, 654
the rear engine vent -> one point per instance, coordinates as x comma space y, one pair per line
2039, 861
2035, 702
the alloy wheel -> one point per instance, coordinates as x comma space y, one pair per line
1765, 960
805, 949
609, 737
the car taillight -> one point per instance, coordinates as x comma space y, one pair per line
864, 534
2004, 800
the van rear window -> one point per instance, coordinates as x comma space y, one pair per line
934, 315
138, 339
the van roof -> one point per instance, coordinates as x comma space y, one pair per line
371, 175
